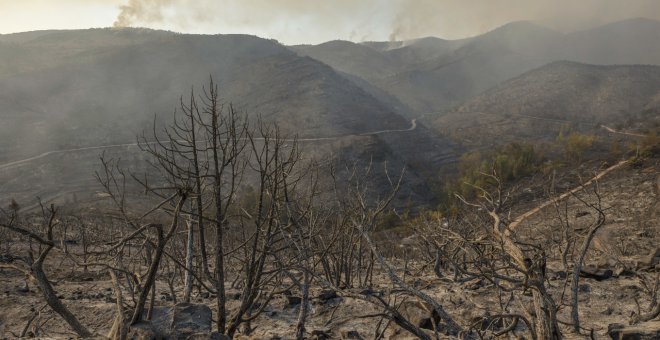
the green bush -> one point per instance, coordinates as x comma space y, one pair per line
575, 145
509, 163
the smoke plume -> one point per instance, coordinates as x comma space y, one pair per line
141, 11
315, 21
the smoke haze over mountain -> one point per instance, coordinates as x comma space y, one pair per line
300, 21
394, 19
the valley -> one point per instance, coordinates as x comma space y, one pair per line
156, 184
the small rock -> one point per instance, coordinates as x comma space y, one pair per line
292, 301
327, 295
458, 301
622, 270
321, 335
142, 331
607, 311
419, 314
596, 274
650, 331
584, 288
190, 319
352, 334
581, 213
559, 275
613, 327
371, 292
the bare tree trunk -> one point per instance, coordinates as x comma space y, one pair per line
220, 280
119, 330
546, 317
155, 262
575, 315
304, 308
199, 204
437, 267
188, 280
36, 270
219, 255
152, 301
546, 325
54, 302
151, 277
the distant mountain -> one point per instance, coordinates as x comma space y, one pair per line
573, 91
112, 85
415, 51
30, 51
63, 90
432, 74
435, 75
349, 57
70, 89
537, 104
633, 41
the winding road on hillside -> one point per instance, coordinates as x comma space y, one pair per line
413, 126
609, 129
566, 121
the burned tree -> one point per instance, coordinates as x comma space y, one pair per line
42, 233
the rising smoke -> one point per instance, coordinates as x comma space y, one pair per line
378, 19
141, 11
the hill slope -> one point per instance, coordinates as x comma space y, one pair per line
434, 75
67, 90
538, 103
108, 93
632, 41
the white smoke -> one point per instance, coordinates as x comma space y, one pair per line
375, 19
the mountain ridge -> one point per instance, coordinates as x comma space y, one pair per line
437, 82
562, 95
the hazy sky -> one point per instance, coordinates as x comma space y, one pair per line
311, 21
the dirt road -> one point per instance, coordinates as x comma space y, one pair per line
413, 126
